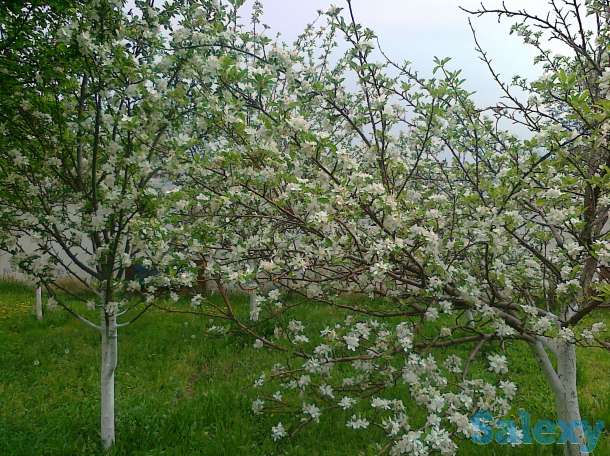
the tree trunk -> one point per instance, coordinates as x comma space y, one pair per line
563, 384
470, 318
109, 363
38, 304
253, 313
568, 407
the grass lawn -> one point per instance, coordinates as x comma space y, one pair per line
182, 392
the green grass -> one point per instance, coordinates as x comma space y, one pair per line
182, 392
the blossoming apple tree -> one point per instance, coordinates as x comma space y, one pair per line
342, 173
96, 98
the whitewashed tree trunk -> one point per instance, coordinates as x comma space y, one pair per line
109, 363
470, 318
38, 303
563, 384
566, 370
253, 312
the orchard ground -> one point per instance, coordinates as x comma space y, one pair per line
182, 391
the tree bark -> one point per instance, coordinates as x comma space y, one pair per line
253, 305
38, 304
470, 318
568, 405
109, 363
563, 384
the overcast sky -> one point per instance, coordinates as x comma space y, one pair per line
417, 30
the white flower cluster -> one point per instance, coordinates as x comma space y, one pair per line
369, 354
